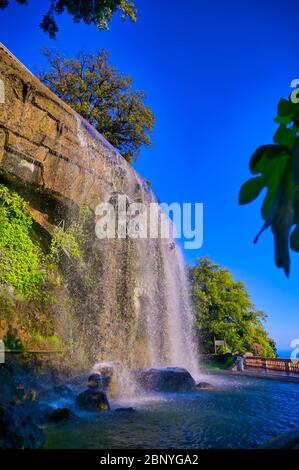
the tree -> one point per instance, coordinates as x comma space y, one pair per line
103, 96
224, 310
96, 12
276, 168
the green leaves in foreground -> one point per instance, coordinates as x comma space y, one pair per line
276, 168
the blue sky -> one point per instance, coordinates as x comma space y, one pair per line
213, 73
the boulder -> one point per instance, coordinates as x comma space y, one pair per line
165, 380
111, 377
18, 428
92, 400
60, 415
94, 381
205, 386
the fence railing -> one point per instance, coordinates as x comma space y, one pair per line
282, 365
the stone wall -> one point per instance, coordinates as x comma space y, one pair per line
40, 144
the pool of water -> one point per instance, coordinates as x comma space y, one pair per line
240, 413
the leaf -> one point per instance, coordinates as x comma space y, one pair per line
286, 137
286, 107
294, 241
251, 190
279, 214
262, 152
278, 167
273, 174
283, 120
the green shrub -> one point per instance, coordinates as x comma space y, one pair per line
12, 340
20, 259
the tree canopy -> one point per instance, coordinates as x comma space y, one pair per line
103, 96
96, 12
276, 168
224, 310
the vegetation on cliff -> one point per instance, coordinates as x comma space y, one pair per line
224, 310
103, 96
20, 258
32, 290
96, 12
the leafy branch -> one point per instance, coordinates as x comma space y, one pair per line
276, 169
96, 12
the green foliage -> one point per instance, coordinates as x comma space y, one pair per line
51, 341
63, 243
70, 240
229, 361
224, 310
12, 340
20, 258
23, 265
277, 167
77, 227
96, 12
104, 97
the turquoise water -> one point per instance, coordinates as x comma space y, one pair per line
239, 413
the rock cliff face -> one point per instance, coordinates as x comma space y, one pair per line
40, 143
129, 301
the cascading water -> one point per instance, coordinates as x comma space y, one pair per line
139, 314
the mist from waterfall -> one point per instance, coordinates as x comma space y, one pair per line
142, 314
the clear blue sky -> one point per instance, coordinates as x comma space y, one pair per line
213, 73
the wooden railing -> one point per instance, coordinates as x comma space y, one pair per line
282, 365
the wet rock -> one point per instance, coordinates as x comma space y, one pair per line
205, 386
110, 374
125, 410
165, 380
95, 381
78, 381
18, 428
60, 415
92, 400
62, 390
287, 440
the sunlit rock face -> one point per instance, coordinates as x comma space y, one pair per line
39, 142
135, 308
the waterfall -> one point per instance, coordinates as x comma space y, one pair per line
139, 313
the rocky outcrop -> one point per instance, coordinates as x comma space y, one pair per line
205, 386
18, 429
59, 415
165, 380
40, 143
287, 440
57, 162
92, 400
125, 287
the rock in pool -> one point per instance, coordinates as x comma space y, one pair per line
165, 380
18, 428
205, 386
92, 400
125, 410
60, 415
94, 381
